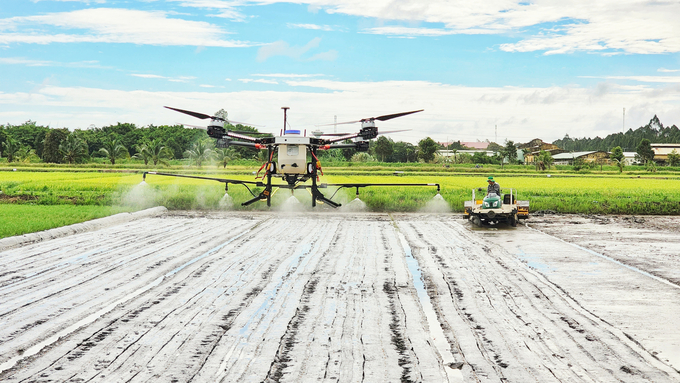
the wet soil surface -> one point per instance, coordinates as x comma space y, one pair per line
253, 297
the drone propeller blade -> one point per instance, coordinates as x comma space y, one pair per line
391, 116
379, 118
394, 131
196, 114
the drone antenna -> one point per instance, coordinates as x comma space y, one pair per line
285, 109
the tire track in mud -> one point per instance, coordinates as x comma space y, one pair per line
311, 297
343, 338
545, 318
136, 312
289, 339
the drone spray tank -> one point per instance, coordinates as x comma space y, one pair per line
292, 150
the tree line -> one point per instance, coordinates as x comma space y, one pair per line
654, 131
30, 142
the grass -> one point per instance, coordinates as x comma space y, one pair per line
18, 219
34, 199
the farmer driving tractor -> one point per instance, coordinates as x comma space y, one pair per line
493, 187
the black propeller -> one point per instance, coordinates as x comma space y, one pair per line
196, 114
203, 116
379, 118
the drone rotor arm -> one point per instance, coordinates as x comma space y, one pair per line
193, 126
241, 136
341, 123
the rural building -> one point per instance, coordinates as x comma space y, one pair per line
589, 157
476, 146
661, 151
630, 158
534, 147
449, 153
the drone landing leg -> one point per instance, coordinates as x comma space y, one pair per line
317, 195
253, 200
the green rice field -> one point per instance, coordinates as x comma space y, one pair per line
564, 194
17, 219
38, 200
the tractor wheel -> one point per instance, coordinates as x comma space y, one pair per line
513, 220
476, 220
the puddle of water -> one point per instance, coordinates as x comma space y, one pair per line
534, 261
437, 334
295, 262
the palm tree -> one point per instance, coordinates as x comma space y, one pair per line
142, 153
223, 156
158, 152
200, 151
113, 149
73, 148
10, 148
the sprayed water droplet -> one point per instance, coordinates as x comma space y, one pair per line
355, 205
437, 205
226, 202
140, 196
291, 204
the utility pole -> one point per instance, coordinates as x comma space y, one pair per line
496, 139
335, 124
623, 130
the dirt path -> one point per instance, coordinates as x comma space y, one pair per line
311, 297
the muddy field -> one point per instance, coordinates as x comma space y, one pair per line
355, 297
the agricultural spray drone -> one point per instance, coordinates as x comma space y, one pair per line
292, 148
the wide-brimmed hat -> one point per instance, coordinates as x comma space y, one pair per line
491, 179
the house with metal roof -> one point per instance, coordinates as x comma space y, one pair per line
568, 158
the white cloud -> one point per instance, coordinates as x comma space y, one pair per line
651, 79
456, 112
408, 31
287, 75
24, 61
112, 25
282, 48
225, 9
315, 27
147, 75
44, 63
606, 26
668, 70
171, 79
259, 80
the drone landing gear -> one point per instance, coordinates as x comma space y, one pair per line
318, 196
265, 194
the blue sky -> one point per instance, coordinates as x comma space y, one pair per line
532, 69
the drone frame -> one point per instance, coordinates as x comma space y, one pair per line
294, 180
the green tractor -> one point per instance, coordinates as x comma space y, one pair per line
494, 209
